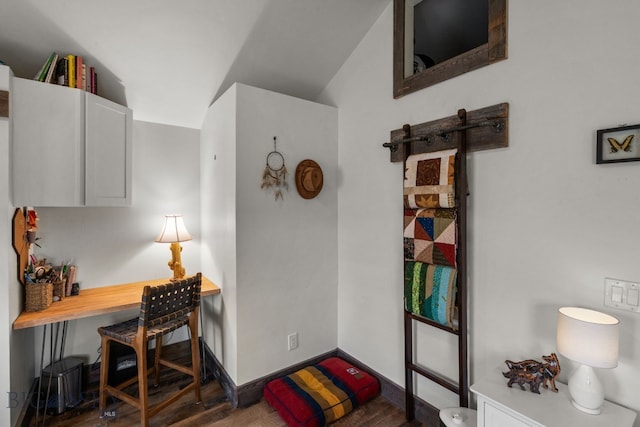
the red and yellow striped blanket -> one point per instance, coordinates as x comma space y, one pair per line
320, 394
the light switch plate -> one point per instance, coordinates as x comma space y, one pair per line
622, 294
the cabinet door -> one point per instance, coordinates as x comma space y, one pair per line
108, 153
490, 415
47, 144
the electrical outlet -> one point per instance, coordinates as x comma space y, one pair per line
292, 341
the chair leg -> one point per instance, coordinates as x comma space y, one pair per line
143, 398
156, 360
195, 354
104, 373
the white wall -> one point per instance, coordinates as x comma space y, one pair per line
218, 218
116, 245
6, 252
286, 266
16, 382
547, 224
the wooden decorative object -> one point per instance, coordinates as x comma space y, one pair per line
176, 261
534, 373
486, 128
308, 179
20, 243
4, 103
494, 50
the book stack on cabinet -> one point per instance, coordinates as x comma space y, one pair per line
68, 70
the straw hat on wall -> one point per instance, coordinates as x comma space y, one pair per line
308, 179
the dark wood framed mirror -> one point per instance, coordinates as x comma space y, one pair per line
435, 40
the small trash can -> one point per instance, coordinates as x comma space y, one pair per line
459, 417
65, 379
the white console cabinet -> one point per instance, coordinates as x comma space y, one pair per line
501, 406
70, 147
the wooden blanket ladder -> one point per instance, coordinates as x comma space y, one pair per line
474, 131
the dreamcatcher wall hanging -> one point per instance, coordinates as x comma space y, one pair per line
274, 177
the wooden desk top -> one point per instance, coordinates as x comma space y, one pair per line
95, 301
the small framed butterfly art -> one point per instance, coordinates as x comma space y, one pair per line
621, 144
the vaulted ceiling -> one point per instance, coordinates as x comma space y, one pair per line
169, 60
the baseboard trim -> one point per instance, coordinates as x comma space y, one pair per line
220, 374
28, 411
424, 412
251, 392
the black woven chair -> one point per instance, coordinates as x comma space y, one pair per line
164, 309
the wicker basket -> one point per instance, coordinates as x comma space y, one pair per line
38, 296
59, 290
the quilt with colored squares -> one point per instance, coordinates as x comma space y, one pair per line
430, 236
429, 180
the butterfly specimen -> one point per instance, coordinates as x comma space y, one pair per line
616, 146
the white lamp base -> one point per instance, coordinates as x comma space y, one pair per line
586, 390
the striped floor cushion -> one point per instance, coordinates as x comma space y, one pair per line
320, 394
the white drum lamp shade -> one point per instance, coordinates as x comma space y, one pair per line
591, 339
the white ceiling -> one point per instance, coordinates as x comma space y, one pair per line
169, 60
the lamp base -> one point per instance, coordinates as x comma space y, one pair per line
587, 410
176, 261
586, 390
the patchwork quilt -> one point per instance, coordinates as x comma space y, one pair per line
429, 180
320, 394
430, 236
430, 291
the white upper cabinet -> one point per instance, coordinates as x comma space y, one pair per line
70, 147
107, 152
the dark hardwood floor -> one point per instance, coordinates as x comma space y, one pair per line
213, 411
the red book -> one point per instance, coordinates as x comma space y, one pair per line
79, 72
